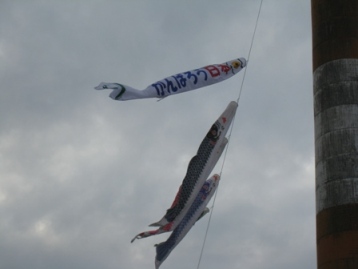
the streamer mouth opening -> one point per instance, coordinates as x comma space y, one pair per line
242, 61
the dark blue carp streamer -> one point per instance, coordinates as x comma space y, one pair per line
201, 165
170, 226
195, 168
202, 199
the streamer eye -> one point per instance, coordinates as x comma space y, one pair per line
236, 65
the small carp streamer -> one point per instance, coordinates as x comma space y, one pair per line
202, 199
164, 229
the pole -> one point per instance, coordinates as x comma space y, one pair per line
335, 87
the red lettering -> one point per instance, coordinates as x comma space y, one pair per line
213, 70
224, 68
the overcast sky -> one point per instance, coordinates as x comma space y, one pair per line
82, 174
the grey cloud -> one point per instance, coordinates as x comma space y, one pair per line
81, 174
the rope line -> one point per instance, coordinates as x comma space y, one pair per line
229, 136
248, 57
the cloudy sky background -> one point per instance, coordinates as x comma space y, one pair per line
81, 174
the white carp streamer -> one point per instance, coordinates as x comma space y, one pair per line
179, 83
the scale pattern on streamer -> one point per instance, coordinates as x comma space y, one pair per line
195, 168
